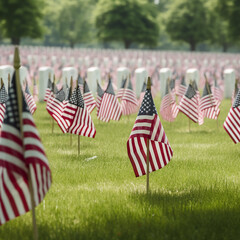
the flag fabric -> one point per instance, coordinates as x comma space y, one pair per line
122, 89
48, 90
129, 102
232, 122
110, 108
100, 93
80, 122
29, 100
3, 100
168, 108
56, 108
235, 92
208, 104
88, 98
19, 157
189, 104
148, 126
217, 92
181, 89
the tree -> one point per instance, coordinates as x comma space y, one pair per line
21, 19
130, 21
187, 21
74, 21
230, 11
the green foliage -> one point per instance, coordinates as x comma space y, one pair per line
230, 10
187, 21
196, 196
74, 21
21, 19
130, 21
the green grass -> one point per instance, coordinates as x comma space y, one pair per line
196, 196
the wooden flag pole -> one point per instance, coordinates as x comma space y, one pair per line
1, 82
71, 87
147, 160
20, 109
9, 80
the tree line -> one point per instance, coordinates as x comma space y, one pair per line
115, 23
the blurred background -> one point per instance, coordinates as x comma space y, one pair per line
194, 25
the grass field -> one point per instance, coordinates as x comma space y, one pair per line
196, 196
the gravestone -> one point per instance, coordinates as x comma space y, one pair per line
192, 74
165, 74
140, 76
229, 82
67, 73
93, 75
122, 72
43, 81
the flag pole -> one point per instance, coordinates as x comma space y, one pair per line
71, 86
20, 109
9, 80
1, 82
147, 185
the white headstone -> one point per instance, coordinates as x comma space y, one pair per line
165, 74
192, 74
122, 72
54, 60
229, 82
140, 76
93, 75
69, 72
43, 81
23, 72
5, 70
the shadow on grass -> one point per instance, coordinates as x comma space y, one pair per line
201, 214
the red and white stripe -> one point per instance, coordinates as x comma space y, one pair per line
120, 93
190, 107
98, 104
129, 102
47, 94
80, 121
160, 152
110, 108
232, 124
31, 103
169, 109
209, 107
55, 109
2, 112
18, 158
89, 101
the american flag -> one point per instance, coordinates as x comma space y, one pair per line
189, 104
3, 100
78, 116
208, 104
232, 122
181, 89
217, 92
129, 102
148, 126
169, 108
235, 92
48, 90
19, 157
100, 93
88, 98
122, 88
56, 108
29, 99
110, 107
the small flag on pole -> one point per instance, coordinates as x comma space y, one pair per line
148, 127
48, 90
29, 99
232, 122
100, 93
88, 98
3, 99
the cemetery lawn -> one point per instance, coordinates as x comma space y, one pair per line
196, 196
